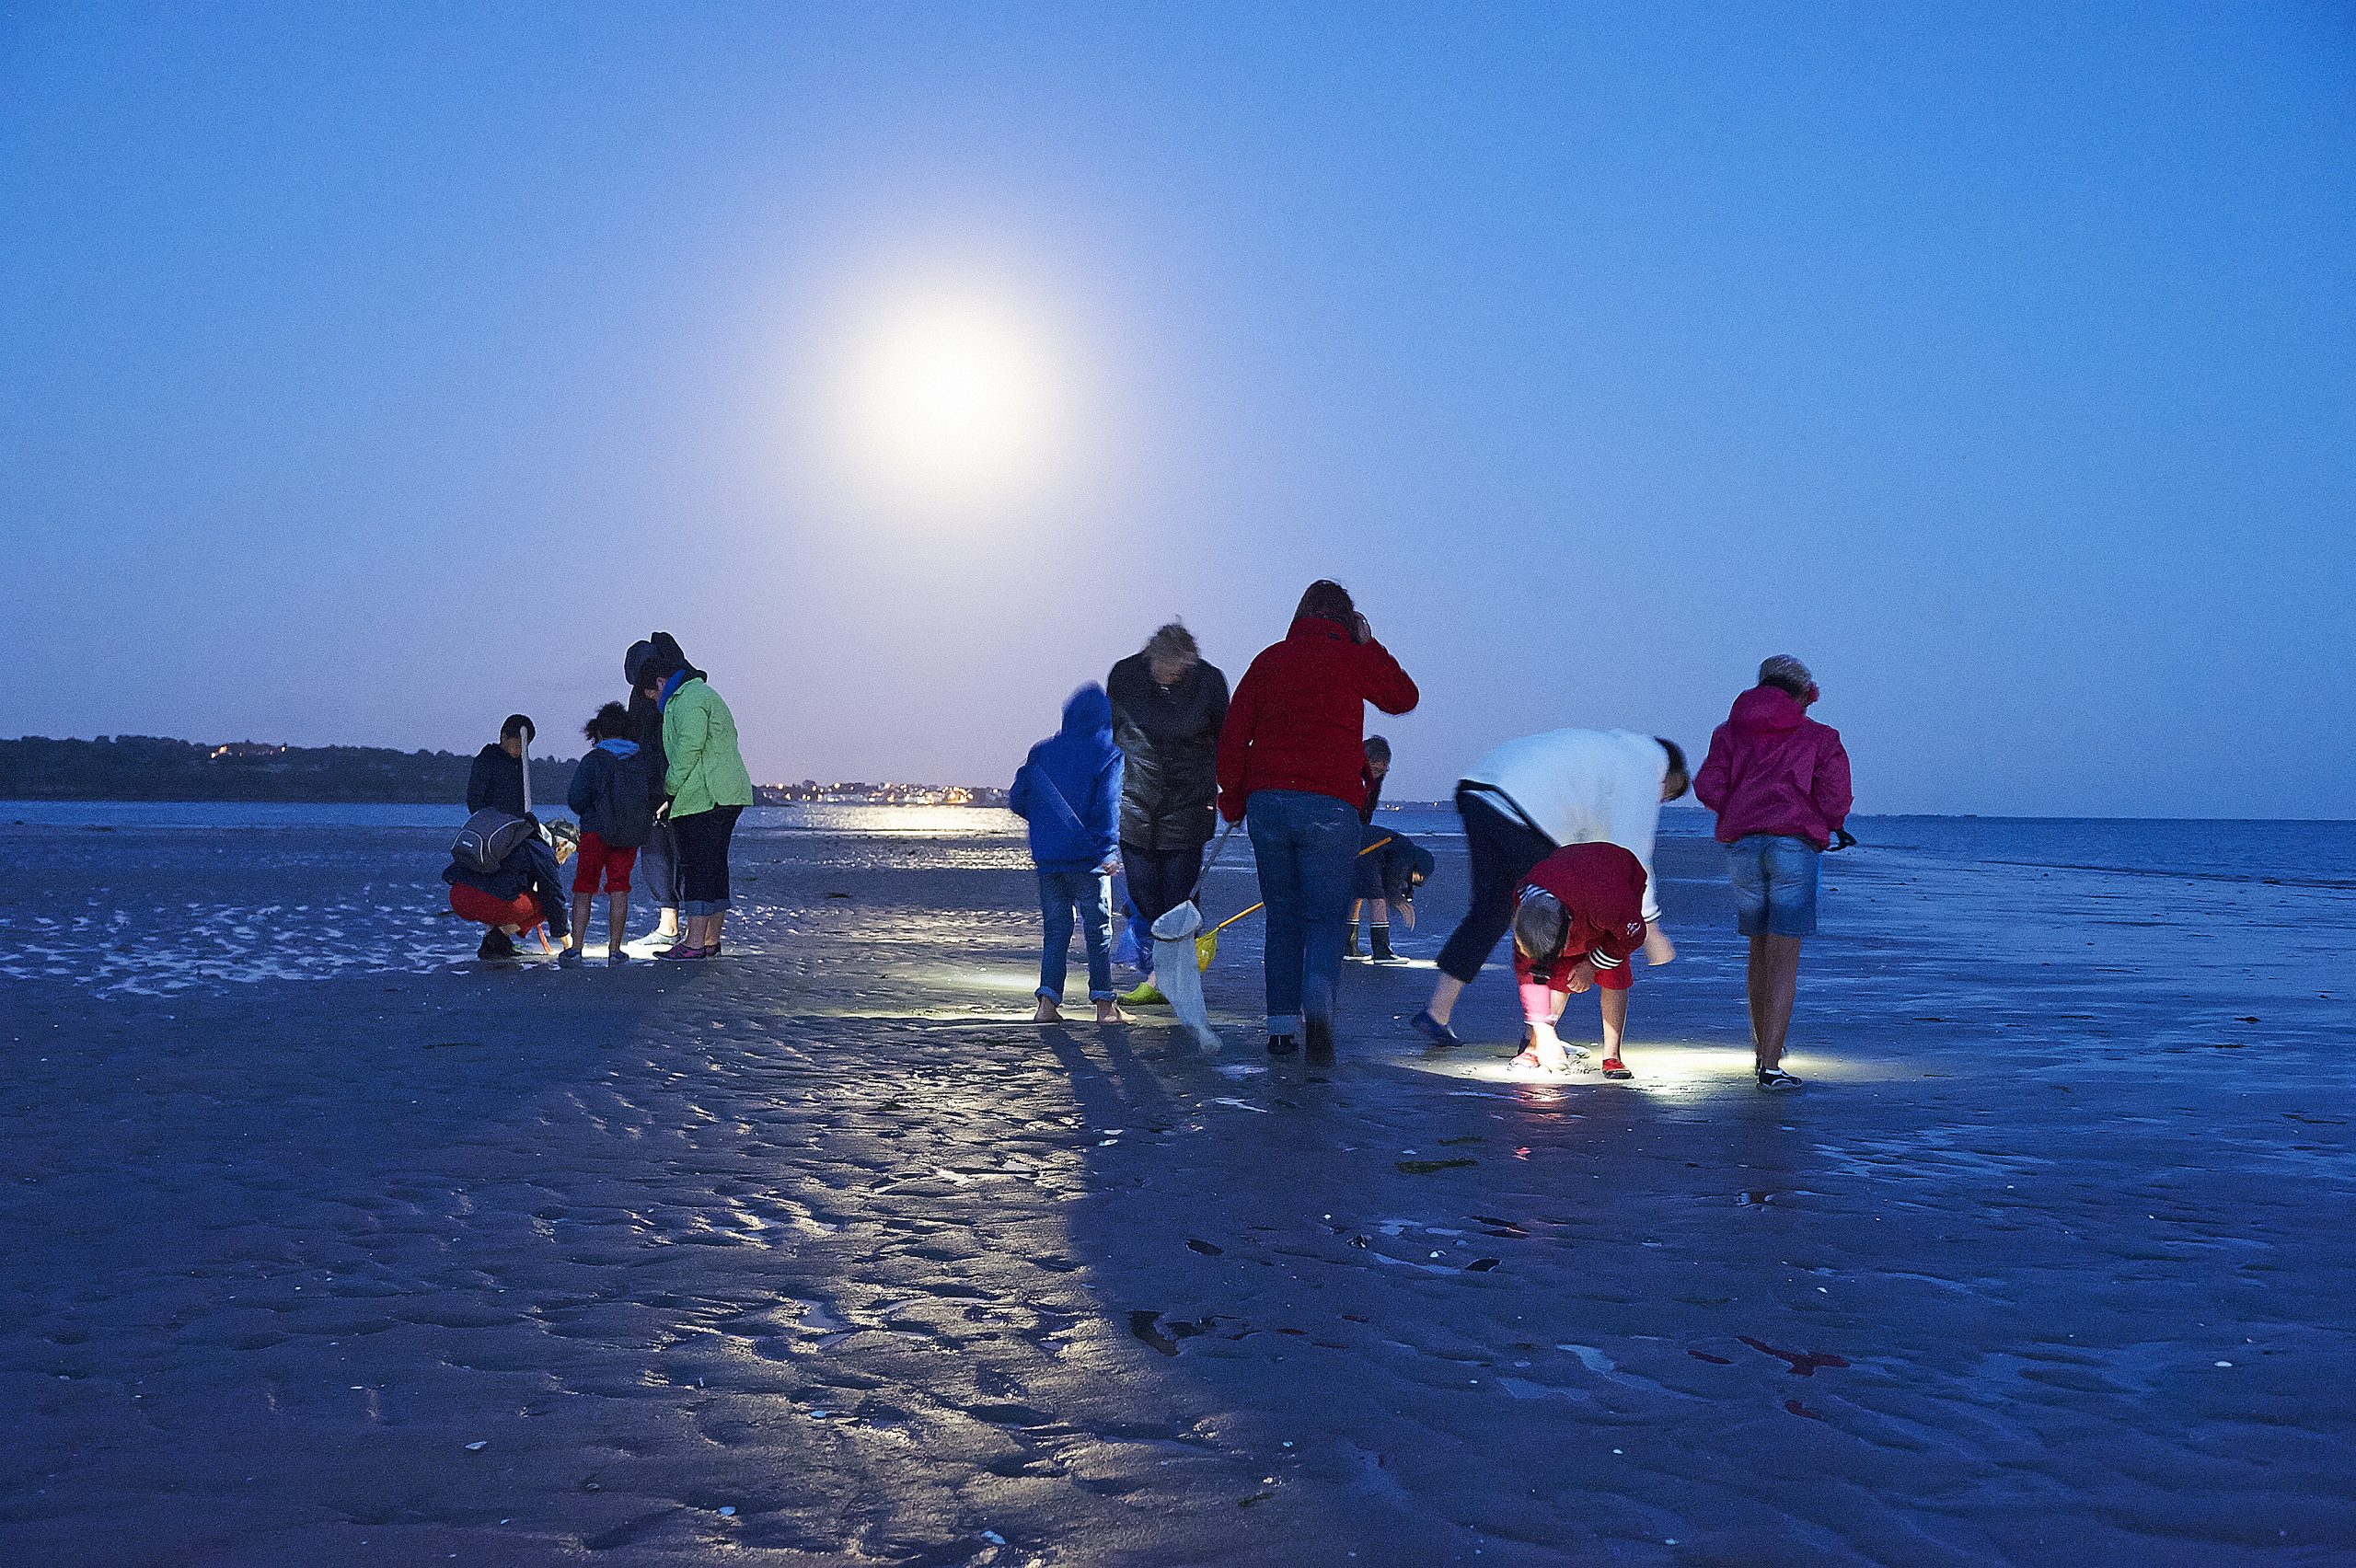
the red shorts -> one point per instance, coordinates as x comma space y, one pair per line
1616, 979
595, 856
473, 904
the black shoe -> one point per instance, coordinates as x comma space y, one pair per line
1775, 1081
1382, 953
496, 944
1350, 948
1282, 1045
1320, 1040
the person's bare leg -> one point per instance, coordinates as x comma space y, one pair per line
711, 928
1754, 985
616, 922
666, 923
1109, 1012
1045, 1011
1776, 988
581, 902
1444, 994
1615, 1021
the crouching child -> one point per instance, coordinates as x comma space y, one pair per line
524, 889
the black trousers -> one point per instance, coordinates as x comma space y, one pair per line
1503, 848
1160, 880
703, 857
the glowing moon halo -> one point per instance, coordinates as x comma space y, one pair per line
953, 401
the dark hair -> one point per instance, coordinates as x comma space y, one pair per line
1328, 600
610, 722
519, 725
656, 669
1676, 764
1540, 926
1376, 746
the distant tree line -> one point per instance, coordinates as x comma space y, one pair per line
144, 768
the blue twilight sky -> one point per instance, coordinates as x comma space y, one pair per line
369, 371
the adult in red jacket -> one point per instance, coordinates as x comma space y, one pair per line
1779, 781
1292, 761
1579, 917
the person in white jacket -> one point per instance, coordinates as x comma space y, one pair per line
1529, 798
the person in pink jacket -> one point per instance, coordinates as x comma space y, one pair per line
1779, 782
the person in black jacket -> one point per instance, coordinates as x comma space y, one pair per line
1168, 706
496, 779
658, 858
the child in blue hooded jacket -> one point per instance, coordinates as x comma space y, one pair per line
1069, 793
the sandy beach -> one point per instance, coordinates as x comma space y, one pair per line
330, 1246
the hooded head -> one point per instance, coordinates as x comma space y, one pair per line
1767, 708
1088, 711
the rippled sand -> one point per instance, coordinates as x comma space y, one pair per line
329, 1246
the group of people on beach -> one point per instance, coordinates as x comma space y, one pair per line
1559, 829
657, 793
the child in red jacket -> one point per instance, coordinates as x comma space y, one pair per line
1579, 917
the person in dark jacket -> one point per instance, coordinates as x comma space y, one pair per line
1168, 707
1069, 790
1292, 758
614, 794
658, 857
496, 781
1392, 866
1372, 880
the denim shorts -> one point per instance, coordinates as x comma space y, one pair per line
1774, 885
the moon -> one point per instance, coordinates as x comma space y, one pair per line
955, 400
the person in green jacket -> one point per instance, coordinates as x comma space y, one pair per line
708, 788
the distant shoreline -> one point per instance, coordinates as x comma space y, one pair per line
161, 771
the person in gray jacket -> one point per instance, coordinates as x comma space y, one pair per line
1168, 706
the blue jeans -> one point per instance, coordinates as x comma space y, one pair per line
1307, 845
1091, 892
1774, 885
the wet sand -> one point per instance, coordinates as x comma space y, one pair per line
329, 1246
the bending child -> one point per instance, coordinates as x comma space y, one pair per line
1577, 919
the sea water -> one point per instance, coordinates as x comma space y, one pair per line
161, 897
